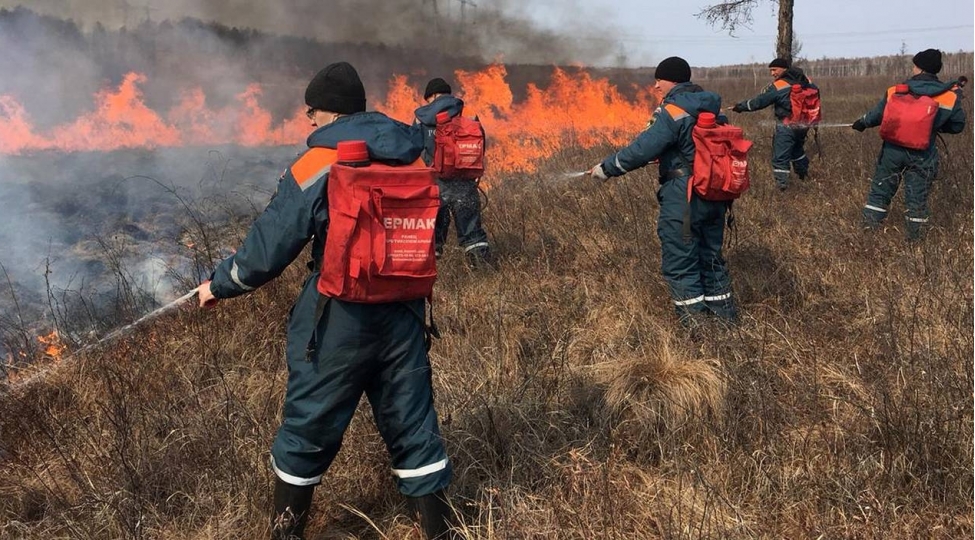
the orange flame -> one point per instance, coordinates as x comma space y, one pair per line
574, 110
121, 120
53, 348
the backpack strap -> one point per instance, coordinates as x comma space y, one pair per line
321, 306
430, 331
678, 113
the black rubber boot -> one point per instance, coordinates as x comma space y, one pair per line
480, 259
435, 515
291, 506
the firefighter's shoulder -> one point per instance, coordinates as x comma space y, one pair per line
675, 112
312, 165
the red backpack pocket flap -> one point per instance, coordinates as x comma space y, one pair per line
740, 146
336, 263
718, 147
403, 238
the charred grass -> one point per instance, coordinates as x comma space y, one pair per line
572, 403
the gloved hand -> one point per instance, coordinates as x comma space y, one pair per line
598, 173
738, 108
859, 125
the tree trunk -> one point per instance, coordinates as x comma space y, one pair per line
783, 49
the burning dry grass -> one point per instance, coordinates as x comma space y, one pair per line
572, 403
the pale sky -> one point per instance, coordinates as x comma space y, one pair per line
653, 30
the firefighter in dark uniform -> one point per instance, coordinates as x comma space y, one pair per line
917, 167
693, 266
788, 142
376, 349
458, 197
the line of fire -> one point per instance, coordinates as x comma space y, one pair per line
100, 190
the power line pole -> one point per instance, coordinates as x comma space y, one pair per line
463, 10
149, 8
436, 20
126, 6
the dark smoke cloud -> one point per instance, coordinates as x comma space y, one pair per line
492, 29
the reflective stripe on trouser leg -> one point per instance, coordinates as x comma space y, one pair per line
689, 301
782, 153
883, 186
322, 394
798, 159
401, 395
464, 201
294, 480
680, 260
917, 187
376, 348
873, 215
709, 226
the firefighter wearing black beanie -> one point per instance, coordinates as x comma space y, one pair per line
338, 89
436, 86
373, 347
928, 61
789, 137
909, 156
690, 228
673, 69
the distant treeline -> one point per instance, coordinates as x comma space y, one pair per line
957, 63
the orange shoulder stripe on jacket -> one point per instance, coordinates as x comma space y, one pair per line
313, 164
674, 111
946, 100
780, 84
891, 91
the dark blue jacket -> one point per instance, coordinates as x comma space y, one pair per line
426, 120
668, 135
950, 117
298, 211
779, 93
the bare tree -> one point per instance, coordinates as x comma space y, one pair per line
732, 14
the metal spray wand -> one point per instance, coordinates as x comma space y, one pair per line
108, 337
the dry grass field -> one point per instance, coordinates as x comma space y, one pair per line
572, 403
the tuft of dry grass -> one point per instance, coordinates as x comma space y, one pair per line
661, 390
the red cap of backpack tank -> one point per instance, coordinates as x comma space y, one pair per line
706, 120
353, 153
443, 117
902, 89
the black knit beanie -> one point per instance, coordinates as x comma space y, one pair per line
338, 89
779, 63
673, 69
928, 60
436, 86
